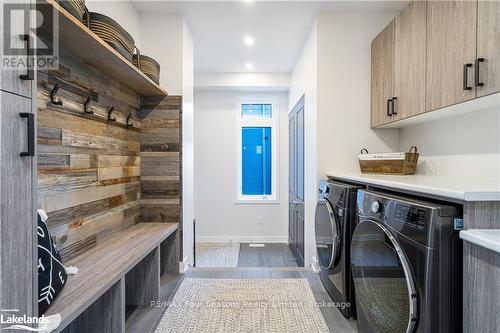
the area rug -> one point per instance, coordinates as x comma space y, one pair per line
217, 254
243, 305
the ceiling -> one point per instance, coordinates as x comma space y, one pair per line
278, 27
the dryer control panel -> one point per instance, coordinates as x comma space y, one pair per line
410, 215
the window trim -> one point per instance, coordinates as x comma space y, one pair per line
273, 122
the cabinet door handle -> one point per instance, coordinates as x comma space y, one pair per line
466, 76
31, 133
394, 99
477, 80
389, 110
29, 55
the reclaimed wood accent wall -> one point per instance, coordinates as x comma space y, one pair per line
89, 168
161, 160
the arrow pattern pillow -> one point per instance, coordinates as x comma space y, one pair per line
51, 272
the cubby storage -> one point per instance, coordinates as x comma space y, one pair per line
150, 285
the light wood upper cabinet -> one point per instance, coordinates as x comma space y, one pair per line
488, 47
409, 61
451, 45
382, 76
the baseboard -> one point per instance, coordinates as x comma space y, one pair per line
183, 265
242, 239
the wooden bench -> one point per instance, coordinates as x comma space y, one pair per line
125, 269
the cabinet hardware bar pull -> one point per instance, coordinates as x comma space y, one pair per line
477, 74
394, 99
31, 133
466, 76
389, 112
29, 76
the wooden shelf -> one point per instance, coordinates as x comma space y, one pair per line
82, 43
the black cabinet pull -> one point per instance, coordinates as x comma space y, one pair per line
31, 133
466, 76
477, 80
394, 99
389, 111
30, 75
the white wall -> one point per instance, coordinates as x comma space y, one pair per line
333, 71
122, 12
305, 82
344, 91
242, 81
187, 143
218, 217
462, 146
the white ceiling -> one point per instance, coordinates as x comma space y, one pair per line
278, 27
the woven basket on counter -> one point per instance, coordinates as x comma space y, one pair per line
389, 163
112, 33
148, 66
74, 7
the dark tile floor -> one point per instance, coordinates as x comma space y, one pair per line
271, 255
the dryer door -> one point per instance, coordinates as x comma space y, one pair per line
328, 238
385, 290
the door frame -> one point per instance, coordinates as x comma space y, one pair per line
297, 245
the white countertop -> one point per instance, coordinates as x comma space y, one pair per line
458, 189
487, 238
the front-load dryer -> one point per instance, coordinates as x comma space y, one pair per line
407, 265
334, 224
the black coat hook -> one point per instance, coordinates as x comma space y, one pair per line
110, 111
53, 96
86, 106
129, 123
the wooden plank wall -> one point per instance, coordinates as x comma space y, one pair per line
161, 161
88, 168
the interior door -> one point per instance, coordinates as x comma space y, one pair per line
409, 61
451, 50
382, 76
296, 182
488, 44
292, 181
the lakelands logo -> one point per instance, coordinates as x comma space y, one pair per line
30, 37
33, 324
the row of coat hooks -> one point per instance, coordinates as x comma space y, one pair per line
86, 110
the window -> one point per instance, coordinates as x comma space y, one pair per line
256, 149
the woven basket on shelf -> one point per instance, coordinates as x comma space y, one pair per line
148, 66
389, 163
74, 7
111, 32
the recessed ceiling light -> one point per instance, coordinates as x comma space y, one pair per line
249, 41
249, 65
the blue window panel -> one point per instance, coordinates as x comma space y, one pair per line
256, 160
256, 110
